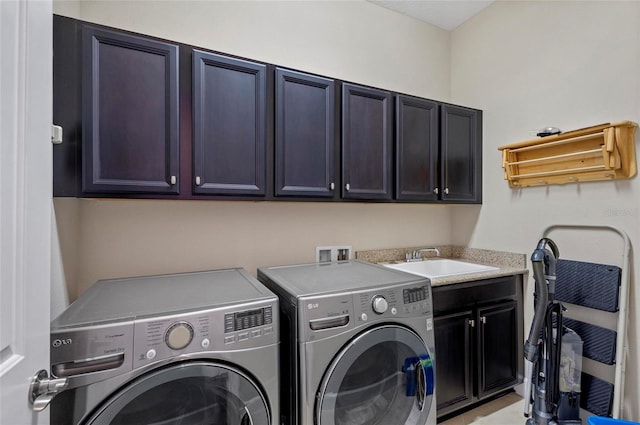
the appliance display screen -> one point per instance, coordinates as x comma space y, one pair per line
247, 319
414, 295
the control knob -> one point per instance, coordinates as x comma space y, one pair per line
179, 335
379, 304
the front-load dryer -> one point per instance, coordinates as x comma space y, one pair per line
191, 348
357, 344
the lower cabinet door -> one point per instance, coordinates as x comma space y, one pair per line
454, 356
498, 345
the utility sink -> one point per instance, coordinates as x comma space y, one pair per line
440, 268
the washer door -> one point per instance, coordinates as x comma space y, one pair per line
383, 376
185, 394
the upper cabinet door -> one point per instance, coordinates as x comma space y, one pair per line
130, 114
416, 149
229, 125
305, 134
461, 144
367, 131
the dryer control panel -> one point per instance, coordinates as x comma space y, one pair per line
331, 314
222, 329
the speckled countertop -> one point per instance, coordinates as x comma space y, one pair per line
508, 263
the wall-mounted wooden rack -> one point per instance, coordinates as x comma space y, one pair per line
601, 152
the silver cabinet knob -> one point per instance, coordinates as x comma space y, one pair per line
332, 185
436, 190
197, 180
347, 187
173, 180
446, 190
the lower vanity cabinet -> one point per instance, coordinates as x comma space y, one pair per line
479, 340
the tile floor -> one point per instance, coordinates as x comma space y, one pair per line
506, 410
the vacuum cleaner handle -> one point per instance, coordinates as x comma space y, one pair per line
543, 264
542, 246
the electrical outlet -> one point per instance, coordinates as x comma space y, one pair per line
326, 254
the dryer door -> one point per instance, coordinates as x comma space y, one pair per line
186, 394
383, 376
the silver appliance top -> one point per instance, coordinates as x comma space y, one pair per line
116, 300
325, 278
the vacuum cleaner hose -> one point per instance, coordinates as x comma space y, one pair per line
531, 345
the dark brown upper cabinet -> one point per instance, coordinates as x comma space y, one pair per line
461, 154
229, 125
367, 131
305, 135
149, 118
130, 135
417, 141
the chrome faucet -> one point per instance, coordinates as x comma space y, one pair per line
436, 250
416, 255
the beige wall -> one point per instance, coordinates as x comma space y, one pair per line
351, 40
128, 238
530, 65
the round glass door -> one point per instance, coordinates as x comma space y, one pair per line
186, 394
383, 376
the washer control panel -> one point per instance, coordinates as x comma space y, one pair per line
404, 301
225, 329
322, 316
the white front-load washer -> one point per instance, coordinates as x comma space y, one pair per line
357, 344
190, 348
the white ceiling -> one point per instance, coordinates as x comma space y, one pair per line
446, 14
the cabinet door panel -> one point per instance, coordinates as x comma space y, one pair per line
453, 339
461, 154
130, 113
366, 143
417, 149
229, 119
498, 348
305, 134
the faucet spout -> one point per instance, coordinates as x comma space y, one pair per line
436, 250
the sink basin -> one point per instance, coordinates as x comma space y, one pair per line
441, 268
